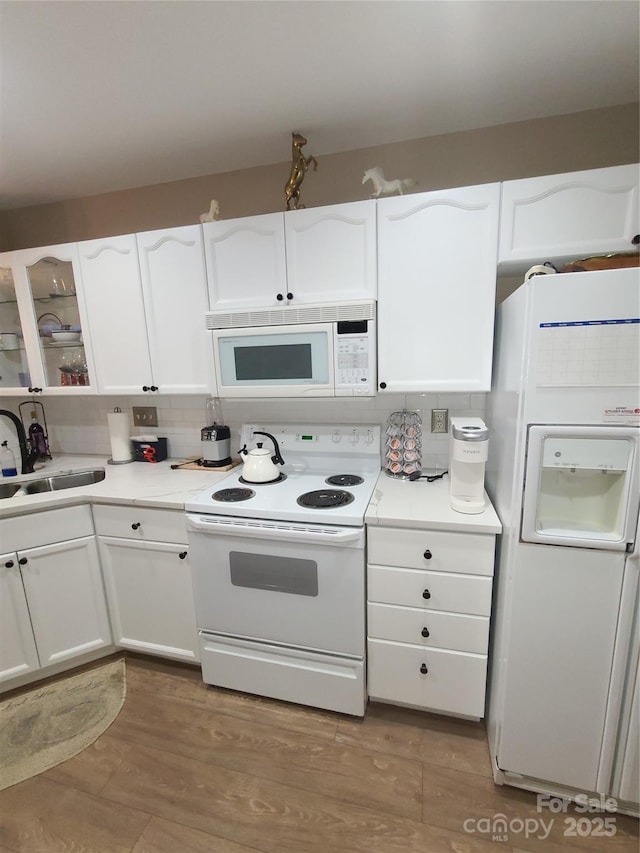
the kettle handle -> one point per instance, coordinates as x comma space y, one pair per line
278, 456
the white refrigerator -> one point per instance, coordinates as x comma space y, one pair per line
563, 474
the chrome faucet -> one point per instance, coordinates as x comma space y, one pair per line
27, 456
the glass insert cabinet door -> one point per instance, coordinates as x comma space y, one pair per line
14, 368
52, 318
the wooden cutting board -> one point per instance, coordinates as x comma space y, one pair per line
191, 464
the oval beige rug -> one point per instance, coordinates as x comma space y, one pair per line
49, 724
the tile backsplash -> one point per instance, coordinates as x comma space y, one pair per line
79, 424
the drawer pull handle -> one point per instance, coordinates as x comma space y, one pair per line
135, 526
9, 564
423, 669
23, 561
182, 555
425, 632
426, 594
427, 554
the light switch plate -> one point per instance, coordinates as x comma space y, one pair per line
145, 416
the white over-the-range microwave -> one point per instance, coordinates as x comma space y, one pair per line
322, 350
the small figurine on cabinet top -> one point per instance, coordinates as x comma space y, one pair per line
214, 212
383, 187
299, 165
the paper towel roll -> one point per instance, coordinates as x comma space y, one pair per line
119, 429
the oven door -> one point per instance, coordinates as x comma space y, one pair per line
297, 585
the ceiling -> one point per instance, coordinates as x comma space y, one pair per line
102, 96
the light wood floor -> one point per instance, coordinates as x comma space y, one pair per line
188, 769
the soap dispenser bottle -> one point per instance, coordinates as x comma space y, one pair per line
37, 439
7, 461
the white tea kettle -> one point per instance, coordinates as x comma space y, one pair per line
259, 465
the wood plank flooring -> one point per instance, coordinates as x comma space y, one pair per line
192, 769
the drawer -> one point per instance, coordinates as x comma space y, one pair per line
145, 524
45, 528
430, 590
454, 682
429, 628
467, 553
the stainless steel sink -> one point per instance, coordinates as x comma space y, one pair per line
8, 490
52, 483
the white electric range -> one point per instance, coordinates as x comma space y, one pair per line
279, 568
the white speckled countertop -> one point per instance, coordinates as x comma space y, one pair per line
423, 505
138, 483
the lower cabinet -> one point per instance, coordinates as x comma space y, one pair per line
148, 580
429, 603
52, 601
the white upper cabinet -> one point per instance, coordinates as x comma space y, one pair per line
246, 265
567, 217
331, 252
43, 318
436, 289
324, 254
113, 290
174, 284
147, 298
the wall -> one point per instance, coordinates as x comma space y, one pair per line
585, 140
79, 424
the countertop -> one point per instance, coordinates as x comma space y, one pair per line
395, 503
423, 505
137, 483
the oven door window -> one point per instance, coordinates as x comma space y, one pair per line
291, 575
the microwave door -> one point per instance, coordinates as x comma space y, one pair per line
581, 486
281, 362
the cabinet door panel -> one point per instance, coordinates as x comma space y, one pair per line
174, 284
568, 216
331, 252
245, 259
111, 277
18, 653
68, 609
150, 595
436, 289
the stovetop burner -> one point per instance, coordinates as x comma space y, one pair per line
344, 480
278, 479
325, 499
233, 495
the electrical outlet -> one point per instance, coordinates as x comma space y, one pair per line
439, 420
145, 416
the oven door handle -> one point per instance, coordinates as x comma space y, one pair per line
283, 531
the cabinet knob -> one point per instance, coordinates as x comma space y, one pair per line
135, 526
427, 554
23, 561
279, 297
636, 240
182, 555
383, 385
289, 296
154, 388
35, 390
145, 387
425, 632
423, 669
426, 594
8, 564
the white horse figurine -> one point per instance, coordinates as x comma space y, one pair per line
213, 213
381, 186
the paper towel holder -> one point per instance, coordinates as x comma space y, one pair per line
117, 409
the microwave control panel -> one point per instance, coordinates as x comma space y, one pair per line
354, 355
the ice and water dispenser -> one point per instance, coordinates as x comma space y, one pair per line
581, 486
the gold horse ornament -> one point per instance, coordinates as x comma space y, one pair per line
299, 165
